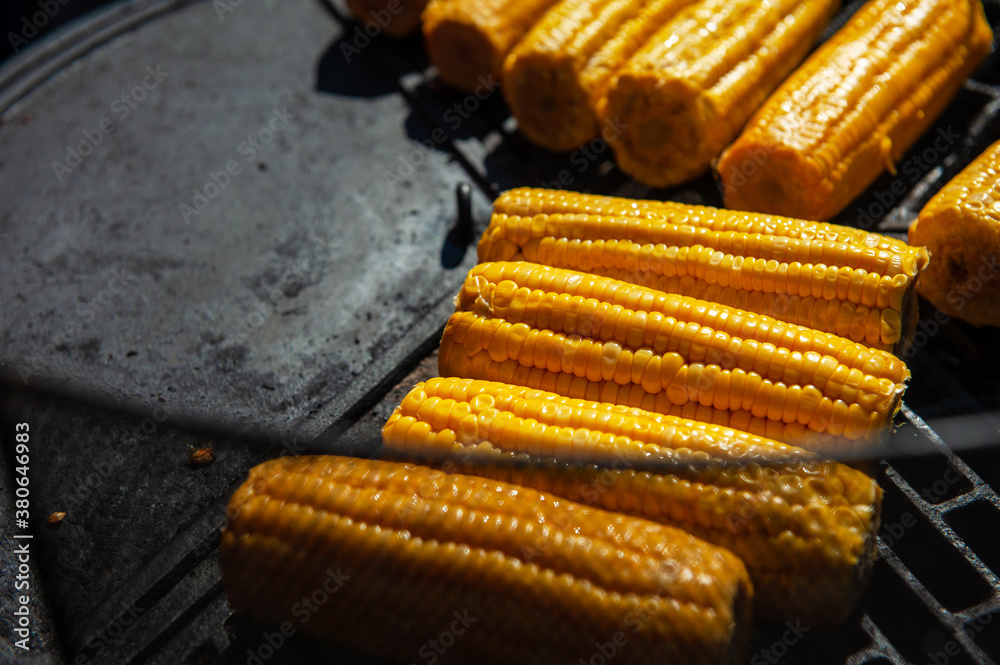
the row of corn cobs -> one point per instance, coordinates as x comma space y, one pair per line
622, 383
669, 84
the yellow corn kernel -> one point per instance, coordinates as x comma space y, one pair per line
688, 91
532, 202
804, 527
856, 105
961, 227
468, 41
405, 550
555, 76
697, 347
811, 274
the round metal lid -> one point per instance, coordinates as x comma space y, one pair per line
199, 214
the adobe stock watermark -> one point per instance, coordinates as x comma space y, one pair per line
958, 297
291, 281
121, 108
105, 467
665, 574
780, 648
913, 169
454, 117
122, 279
434, 648
606, 651
583, 158
893, 532
738, 176
952, 648
590, 493
217, 181
102, 470
231, 512
223, 7
99, 642
380, 18
31, 24
303, 610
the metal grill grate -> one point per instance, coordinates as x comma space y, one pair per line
962, 614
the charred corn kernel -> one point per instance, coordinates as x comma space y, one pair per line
961, 227
390, 17
555, 76
854, 108
804, 527
468, 41
688, 91
403, 550
696, 346
818, 275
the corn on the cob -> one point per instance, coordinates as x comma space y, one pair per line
961, 227
558, 72
854, 107
468, 41
687, 93
394, 18
542, 578
604, 340
804, 527
835, 279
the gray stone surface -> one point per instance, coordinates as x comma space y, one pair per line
297, 288
258, 309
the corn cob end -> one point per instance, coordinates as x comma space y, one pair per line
755, 173
398, 21
463, 53
961, 228
544, 95
662, 141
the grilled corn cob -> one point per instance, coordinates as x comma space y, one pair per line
600, 339
854, 107
394, 18
836, 279
555, 76
687, 92
961, 227
804, 527
538, 579
468, 41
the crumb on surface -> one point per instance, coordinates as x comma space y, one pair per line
55, 518
201, 457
